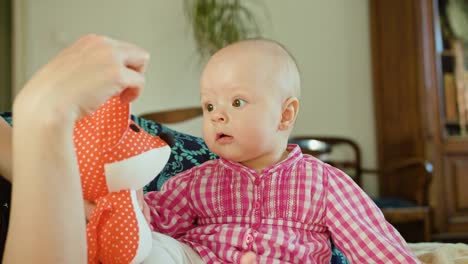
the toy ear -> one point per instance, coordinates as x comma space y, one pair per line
111, 121
167, 138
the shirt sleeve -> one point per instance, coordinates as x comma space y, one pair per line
357, 226
170, 208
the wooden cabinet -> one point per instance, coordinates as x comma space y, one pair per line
456, 192
410, 107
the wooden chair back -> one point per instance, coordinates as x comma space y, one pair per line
174, 115
410, 180
339, 152
405, 205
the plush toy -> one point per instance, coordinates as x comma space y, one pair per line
116, 158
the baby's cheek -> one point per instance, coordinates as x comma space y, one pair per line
208, 138
206, 131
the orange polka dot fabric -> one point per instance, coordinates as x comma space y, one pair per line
114, 218
105, 137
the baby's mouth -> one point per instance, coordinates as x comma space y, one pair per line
222, 137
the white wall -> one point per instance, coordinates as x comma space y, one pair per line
329, 38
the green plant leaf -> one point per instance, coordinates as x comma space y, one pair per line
217, 23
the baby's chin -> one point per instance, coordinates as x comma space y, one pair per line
226, 154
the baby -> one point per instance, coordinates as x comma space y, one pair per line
263, 197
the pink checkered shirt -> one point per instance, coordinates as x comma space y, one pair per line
286, 214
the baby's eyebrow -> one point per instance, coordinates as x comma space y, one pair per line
204, 95
242, 95
239, 94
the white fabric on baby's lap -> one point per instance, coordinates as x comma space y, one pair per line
167, 250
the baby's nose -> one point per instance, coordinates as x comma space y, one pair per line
219, 116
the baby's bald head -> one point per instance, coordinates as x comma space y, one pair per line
262, 60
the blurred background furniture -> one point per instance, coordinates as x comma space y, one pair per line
173, 115
405, 205
326, 149
415, 68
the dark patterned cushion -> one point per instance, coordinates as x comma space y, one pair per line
188, 151
337, 257
6, 116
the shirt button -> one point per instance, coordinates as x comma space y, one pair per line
257, 181
257, 205
249, 238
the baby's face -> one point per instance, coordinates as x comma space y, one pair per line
242, 108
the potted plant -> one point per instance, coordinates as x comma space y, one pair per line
217, 23
457, 11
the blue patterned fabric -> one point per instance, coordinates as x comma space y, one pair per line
6, 116
188, 151
392, 202
337, 257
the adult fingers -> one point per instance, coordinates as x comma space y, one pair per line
140, 198
248, 258
146, 212
131, 83
89, 208
6, 151
132, 56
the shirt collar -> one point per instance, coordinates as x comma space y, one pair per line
294, 155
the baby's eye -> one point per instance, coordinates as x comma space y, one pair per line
209, 107
238, 103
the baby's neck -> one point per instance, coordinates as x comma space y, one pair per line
267, 160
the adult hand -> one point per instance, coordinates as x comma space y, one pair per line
83, 76
5, 150
248, 258
73, 84
89, 208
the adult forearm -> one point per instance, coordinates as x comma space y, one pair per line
48, 224
47, 214
5, 150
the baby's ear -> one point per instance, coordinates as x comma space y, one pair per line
289, 113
